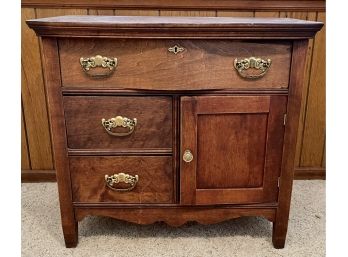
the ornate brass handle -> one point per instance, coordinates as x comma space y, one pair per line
121, 178
119, 121
252, 62
98, 61
187, 156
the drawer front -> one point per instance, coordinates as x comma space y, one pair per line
148, 64
85, 129
154, 179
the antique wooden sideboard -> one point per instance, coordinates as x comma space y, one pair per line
36, 152
174, 119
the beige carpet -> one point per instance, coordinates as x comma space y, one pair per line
244, 237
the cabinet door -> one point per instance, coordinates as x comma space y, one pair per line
236, 144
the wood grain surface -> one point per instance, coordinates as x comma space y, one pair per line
298, 64
237, 154
147, 64
241, 5
267, 14
38, 176
43, 13
136, 12
25, 159
58, 132
175, 216
34, 99
155, 183
240, 163
314, 128
234, 14
308, 11
85, 130
101, 12
174, 27
243, 146
188, 13
303, 16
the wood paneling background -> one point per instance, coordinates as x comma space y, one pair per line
37, 158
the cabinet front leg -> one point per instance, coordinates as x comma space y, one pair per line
70, 232
279, 235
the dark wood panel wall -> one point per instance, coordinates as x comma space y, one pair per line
37, 158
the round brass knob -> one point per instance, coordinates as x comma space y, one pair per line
188, 156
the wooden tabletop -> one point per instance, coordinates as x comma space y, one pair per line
84, 25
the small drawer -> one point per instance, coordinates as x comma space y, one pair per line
118, 122
122, 179
175, 64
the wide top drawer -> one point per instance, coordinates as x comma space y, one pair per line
174, 64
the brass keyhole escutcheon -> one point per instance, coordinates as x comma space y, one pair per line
188, 156
176, 49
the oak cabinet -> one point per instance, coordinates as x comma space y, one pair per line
174, 119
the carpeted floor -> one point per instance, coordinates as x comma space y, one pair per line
104, 237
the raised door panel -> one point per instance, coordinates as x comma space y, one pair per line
244, 147
236, 143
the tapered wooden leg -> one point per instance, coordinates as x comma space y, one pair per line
70, 232
298, 63
279, 235
50, 61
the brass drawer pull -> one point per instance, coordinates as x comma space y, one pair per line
115, 179
187, 156
119, 121
98, 61
252, 62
